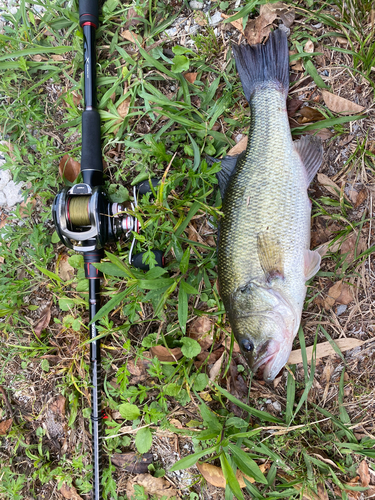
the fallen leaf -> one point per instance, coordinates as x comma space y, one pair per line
214, 475
43, 321
190, 77
340, 105
310, 115
133, 462
215, 370
25, 205
362, 197
133, 18
176, 423
201, 330
296, 64
131, 37
364, 473
58, 406
285, 12
324, 349
293, 105
352, 248
339, 293
69, 168
164, 354
123, 108
258, 29
57, 57
64, 269
342, 40
309, 47
69, 492
200, 18
5, 426
238, 24
330, 186
157, 486
239, 147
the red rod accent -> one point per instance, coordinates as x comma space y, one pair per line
89, 23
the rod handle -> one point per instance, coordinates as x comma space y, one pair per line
91, 155
89, 12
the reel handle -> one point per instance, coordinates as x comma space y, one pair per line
136, 260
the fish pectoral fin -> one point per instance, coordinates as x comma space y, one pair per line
228, 165
270, 256
310, 150
312, 260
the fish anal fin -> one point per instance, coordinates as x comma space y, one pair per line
312, 260
310, 150
270, 256
228, 165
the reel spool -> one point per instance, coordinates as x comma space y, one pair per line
85, 220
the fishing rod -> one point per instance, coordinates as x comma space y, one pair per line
85, 221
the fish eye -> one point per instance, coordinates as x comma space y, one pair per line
247, 345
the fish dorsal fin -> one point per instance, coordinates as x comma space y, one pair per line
228, 165
312, 260
270, 256
310, 149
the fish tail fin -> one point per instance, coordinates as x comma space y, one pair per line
260, 64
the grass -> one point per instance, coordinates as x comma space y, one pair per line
170, 126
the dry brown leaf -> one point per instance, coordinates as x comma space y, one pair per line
236, 24
58, 406
201, 330
330, 186
133, 462
29, 202
239, 147
69, 492
310, 115
5, 426
323, 133
258, 29
285, 12
214, 475
342, 40
164, 354
351, 248
77, 97
123, 108
157, 486
64, 269
131, 37
43, 321
324, 349
293, 105
339, 293
362, 197
57, 57
215, 370
133, 18
200, 18
296, 64
364, 473
340, 105
309, 47
69, 168
190, 77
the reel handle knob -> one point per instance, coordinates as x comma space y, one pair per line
136, 260
144, 186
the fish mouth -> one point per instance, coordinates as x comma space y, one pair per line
269, 366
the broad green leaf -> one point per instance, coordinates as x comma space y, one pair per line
184, 262
246, 464
50, 274
178, 50
191, 460
129, 411
230, 477
188, 288
180, 64
111, 304
76, 261
190, 347
143, 440
65, 304
155, 284
200, 382
111, 269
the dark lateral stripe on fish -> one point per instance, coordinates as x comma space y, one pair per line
258, 64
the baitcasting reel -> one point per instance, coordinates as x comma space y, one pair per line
86, 220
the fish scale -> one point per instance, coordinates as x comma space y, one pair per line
264, 259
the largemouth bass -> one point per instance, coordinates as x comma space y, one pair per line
264, 256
